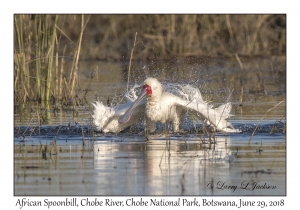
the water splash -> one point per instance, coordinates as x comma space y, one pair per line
106, 118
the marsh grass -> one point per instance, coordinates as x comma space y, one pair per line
39, 73
182, 35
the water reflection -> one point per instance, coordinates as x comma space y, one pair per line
126, 165
183, 167
188, 168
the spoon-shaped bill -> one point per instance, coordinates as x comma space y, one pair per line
126, 117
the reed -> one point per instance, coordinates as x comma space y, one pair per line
38, 38
241, 78
37, 32
82, 135
131, 55
110, 36
39, 73
74, 69
270, 109
50, 55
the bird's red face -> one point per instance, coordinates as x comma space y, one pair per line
148, 90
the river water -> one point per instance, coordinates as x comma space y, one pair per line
188, 163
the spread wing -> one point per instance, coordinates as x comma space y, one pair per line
216, 117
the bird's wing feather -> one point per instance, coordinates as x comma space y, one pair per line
216, 117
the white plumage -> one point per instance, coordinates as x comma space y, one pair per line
161, 106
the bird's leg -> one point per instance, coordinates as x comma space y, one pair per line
151, 126
146, 129
146, 133
176, 122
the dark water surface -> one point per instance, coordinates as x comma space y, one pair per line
127, 165
188, 163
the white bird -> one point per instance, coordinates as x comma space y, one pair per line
106, 118
162, 106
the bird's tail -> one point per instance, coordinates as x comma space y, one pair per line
223, 113
224, 110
